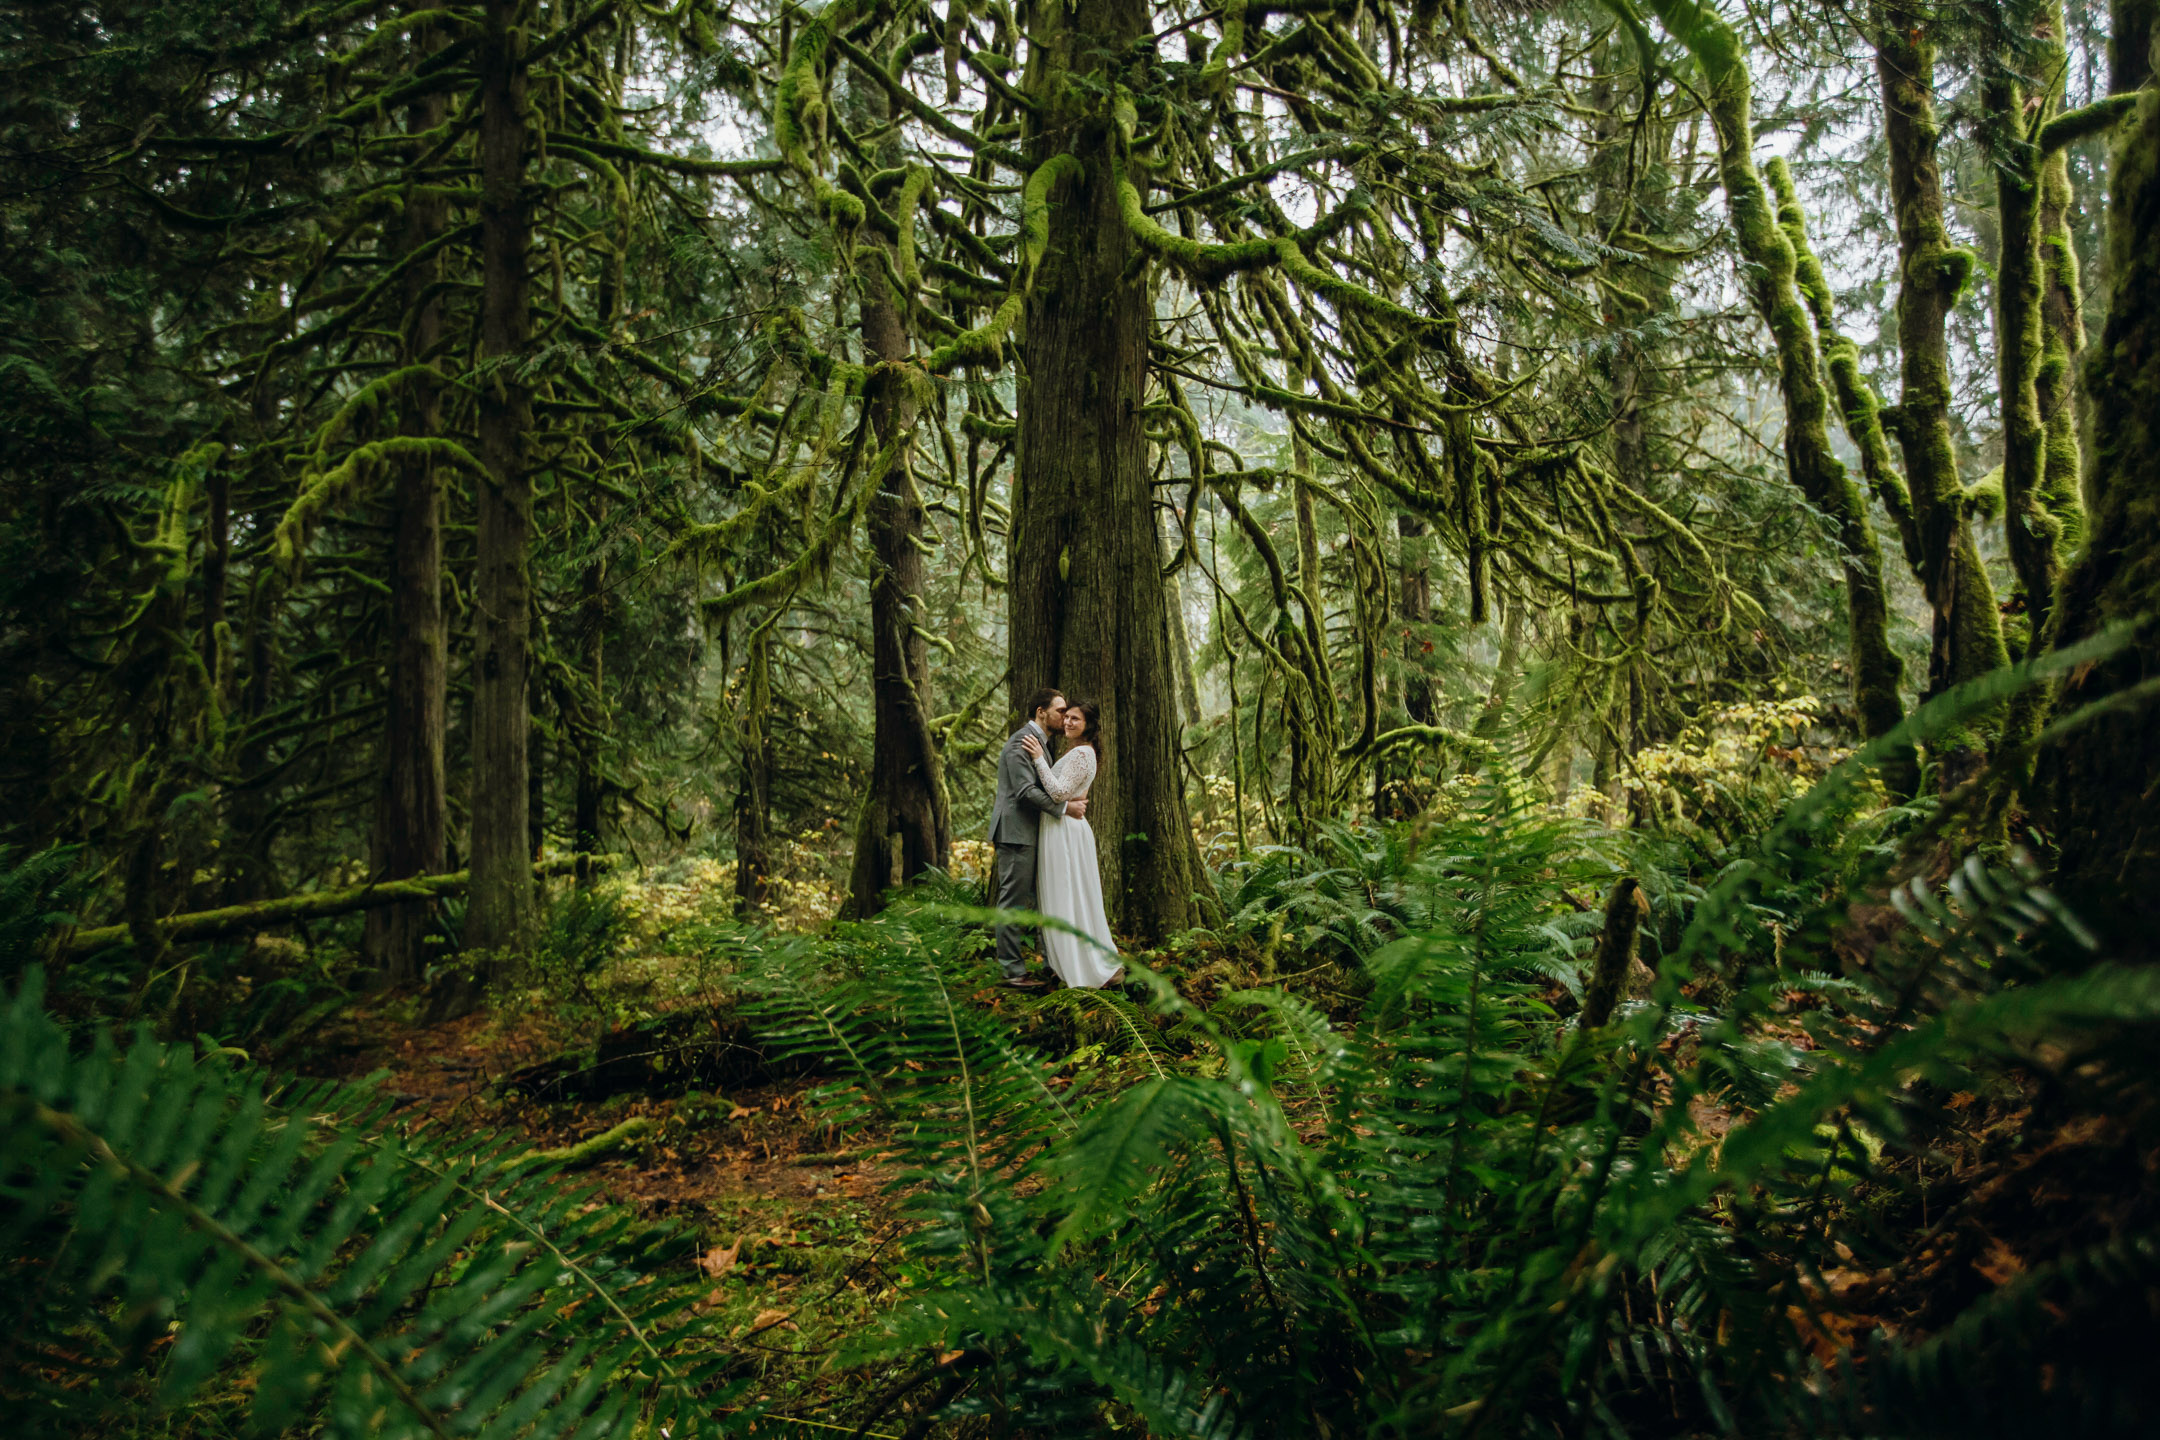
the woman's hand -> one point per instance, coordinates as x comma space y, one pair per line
1033, 746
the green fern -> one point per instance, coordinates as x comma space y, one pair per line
1456, 1213
35, 895
166, 1220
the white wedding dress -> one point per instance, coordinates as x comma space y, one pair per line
1068, 879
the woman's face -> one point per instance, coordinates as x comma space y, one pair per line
1075, 723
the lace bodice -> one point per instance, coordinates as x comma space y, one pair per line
1072, 775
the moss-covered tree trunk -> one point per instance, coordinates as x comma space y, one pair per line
1394, 794
1967, 639
1414, 599
1181, 647
754, 773
1088, 608
1309, 709
409, 827
905, 826
501, 908
2062, 321
2030, 531
1769, 267
2101, 788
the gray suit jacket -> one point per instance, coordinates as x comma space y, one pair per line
1021, 800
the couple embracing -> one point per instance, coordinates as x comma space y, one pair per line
1046, 849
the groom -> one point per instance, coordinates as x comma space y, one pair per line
1014, 816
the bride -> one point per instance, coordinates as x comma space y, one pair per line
1068, 880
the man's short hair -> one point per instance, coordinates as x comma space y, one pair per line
1041, 701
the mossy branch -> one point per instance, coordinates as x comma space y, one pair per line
359, 468
2074, 125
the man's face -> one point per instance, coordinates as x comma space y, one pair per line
1052, 716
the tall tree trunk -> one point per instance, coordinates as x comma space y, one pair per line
501, 910
1967, 641
216, 572
1770, 278
906, 796
1507, 669
2062, 321
1310, 713
2101, 788
2031, 533
1416, 606
409, 808
1393, 793
1086, 578
536, 761
584, 732
1181, 648
753, 792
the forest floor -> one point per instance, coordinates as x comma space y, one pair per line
793, 1224
798, 1229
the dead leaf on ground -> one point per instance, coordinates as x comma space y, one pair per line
2000, 1264
717, 1262
1711, 1118
764, 1318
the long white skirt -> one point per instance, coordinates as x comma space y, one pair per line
1068, 885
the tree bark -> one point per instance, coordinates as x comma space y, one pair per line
2062, 321
1967, 639
1086, 585
585, 731
2031, 533
906, 795
1310, 712
1416, 606
1394, 795
216, 568
501, 911
753, 792
1625, 910
408, 834
2100, 789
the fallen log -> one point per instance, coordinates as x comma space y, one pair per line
707, 1048
256, 915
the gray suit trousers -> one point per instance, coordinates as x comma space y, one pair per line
1015, 891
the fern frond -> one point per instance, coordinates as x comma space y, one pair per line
353, 1277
